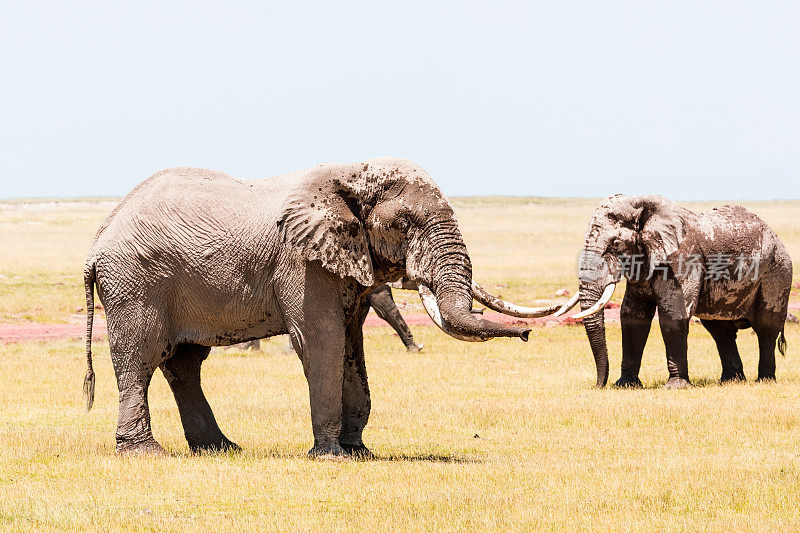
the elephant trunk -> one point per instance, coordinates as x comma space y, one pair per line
592, 289
596, 332
446, 266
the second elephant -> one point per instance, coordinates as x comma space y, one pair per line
382, 302
724, 266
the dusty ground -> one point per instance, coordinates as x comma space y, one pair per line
35, 331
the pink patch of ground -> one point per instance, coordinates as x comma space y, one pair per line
50, 332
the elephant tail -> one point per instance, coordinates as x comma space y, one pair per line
782, 343
89, 276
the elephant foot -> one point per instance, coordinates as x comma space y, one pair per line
677, 383
328, 452
145, 447
628, 383
358, 451
223, 445
762, 379
737, 376
414, 347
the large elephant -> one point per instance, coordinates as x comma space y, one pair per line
195, 258
724, 266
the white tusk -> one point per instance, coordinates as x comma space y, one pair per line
599, 304
432, 308
569, 305
507, 308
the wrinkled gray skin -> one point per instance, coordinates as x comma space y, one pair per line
660, 229
195, 258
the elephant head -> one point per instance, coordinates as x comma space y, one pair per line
625, 232
384, 219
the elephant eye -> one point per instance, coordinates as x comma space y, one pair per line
617, 245
402, 223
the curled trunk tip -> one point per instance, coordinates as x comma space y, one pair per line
457, 321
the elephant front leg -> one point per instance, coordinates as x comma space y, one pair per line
314, 312
673, 317
321, 351
356, 402
325, 391
356, 405
636, 317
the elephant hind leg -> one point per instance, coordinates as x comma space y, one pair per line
770, 316
134, 370
134, 433
724, 334
137, 341
182, 371
767, 331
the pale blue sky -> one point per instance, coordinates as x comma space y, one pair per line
693, 100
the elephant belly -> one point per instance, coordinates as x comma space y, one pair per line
227, 317
726, 300
229, 330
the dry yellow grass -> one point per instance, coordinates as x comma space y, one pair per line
500, 435
550, 451
43, 247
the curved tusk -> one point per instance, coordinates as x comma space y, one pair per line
599, 304
507, 308
569, 305
432, 308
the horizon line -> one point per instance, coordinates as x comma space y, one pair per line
89, 198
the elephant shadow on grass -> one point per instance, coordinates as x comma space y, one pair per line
696, 383
284, 453
430, 458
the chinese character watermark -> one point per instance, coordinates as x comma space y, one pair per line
635, 267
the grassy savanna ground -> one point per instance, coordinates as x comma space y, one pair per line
470, 436
525, 248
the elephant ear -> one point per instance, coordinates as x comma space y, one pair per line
661, 229
319, 223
